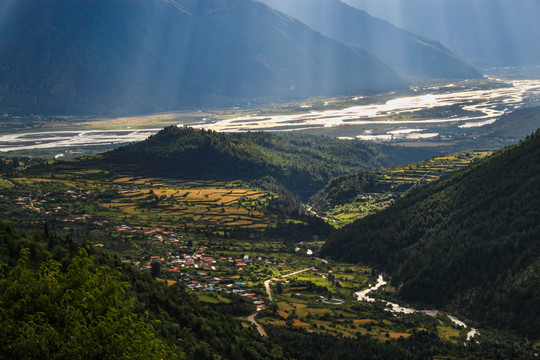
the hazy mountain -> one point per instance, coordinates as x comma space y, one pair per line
486, 32
407, 53
468, 242
107, 56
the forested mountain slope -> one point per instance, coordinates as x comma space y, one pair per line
302, 163
131, 56
469, 242
60, 302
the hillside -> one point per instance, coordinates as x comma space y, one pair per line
485, 32
467, 242
407, 53
350, 197
302, 163
63, 303
133, 56
60, 302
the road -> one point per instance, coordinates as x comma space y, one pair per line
260, 329
251, 317
298, 272
268, 291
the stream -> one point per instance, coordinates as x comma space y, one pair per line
395, 308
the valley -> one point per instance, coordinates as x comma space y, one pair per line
243, 248
269, 179
208, 236
451, 114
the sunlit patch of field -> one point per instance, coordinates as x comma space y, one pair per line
32, 181
449, 333
284, 306
297, 322
312, 311
283, 314
202, 202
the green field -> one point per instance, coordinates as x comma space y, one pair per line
390, 184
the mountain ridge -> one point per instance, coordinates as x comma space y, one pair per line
409, 54
302, 163
132, 56
467, 242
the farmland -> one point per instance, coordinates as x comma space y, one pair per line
346, 199
212, 238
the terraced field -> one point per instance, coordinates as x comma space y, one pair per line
199, 203
390, 184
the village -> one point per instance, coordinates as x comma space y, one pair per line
262, 282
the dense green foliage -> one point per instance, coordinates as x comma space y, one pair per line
298, 344
83, 312
302, 163
344, 189
468, 242
81, 308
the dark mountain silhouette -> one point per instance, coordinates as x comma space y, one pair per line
129, 56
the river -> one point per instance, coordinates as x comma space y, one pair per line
486, 104
58, 139
395, 308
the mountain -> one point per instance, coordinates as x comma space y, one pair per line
468, 242
132, 56
302, 163
485, 32
407, 53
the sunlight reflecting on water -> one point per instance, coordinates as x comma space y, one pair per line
484, 105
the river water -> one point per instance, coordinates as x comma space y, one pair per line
395, 308
484, 107
54, 139
486, 104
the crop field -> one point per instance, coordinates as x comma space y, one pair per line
429, 170
395, 182
204, 203
329, 307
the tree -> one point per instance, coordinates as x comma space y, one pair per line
81, 313
279, 288
155, 268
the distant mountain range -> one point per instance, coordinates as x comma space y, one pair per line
141, 56
468, 242
485, 32
125, 56
407, 53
